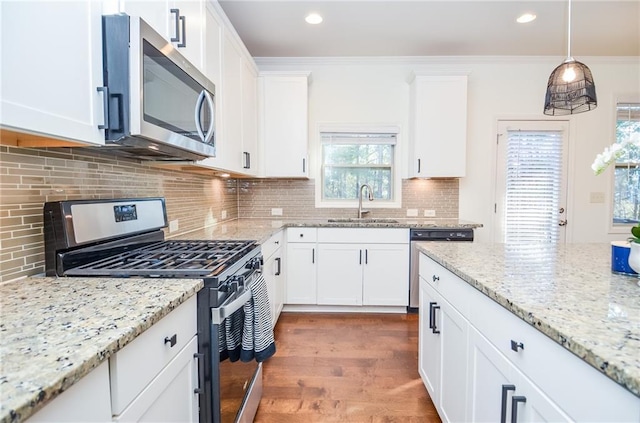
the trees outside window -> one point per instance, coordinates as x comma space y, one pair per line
626, 197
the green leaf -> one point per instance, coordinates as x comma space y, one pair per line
635, 231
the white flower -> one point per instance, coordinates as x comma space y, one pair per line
612, 153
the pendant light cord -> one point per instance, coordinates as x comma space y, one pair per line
569, 33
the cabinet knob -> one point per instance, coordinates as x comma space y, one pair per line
277, 242
515, 345
301, 235
171, 341
436, 278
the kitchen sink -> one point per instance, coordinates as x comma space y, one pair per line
362, 220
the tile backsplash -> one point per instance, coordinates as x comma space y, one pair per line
29, 177
296, 198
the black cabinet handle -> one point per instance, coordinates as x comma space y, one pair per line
199, 357
304, 165
431, 304
177, 31
418, 165
434, 329
515, 345
360, 259
514, 407
436, 278
279, 261
171, 341
247, 160
313, 255
503, 404
366, 256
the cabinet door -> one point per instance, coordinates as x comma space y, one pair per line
301, 274
170, 397
284, 125
340, 274
454, 329
155, 13
46, 89
272, 271
86, 401
190, 36
386, 275
429, 345
249, 119
230, 142
496, 386
438, 115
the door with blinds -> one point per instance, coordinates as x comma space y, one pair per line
531, 182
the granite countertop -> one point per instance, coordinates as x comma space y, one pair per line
567, 291
262, 229
54, 331
65, 327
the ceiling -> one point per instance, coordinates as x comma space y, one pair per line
435, 28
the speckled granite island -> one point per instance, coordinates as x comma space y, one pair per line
54, 331
567, 292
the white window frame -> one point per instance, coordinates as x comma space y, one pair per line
396, 202
621, 228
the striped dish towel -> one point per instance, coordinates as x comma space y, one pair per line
257, 336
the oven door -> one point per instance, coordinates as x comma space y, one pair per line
239, 385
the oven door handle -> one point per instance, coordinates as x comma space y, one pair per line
229, 307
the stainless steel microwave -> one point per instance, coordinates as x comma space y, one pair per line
158, 106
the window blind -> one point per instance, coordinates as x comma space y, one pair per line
358, 138
533, 184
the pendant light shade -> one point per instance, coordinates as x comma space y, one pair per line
570, 89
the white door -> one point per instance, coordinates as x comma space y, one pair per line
340, 274
301, 273
386, 275
531, 181
429, 343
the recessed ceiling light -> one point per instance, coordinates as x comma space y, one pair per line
526, 18
313, 18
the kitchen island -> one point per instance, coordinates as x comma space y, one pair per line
55, 331
566, 292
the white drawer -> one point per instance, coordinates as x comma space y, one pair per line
302, 234
458, 292
364, 235
132, 368
271, 245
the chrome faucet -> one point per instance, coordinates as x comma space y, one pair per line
360, 211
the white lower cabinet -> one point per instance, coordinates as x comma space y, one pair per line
170, 396
443, 353
498, 391
86, 401
363, 267
363, 274
481, 363
301, 281
154, 378
273, 274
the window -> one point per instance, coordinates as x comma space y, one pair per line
351, 159
626, 190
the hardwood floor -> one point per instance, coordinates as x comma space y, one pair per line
345, 367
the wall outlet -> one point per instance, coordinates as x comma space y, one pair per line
173, 226
429, 213
596, 197
224, 214
276, 212
412, 212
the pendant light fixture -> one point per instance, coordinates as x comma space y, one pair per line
570, 88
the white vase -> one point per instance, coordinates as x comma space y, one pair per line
634, 257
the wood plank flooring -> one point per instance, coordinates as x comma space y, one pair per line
345, 367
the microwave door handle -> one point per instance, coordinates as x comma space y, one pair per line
207, 139
204, 95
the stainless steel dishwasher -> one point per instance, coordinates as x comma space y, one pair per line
425, 235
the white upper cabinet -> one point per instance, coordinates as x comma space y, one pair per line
179, 21
284, 125
51, 67
249, 83
438, 126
